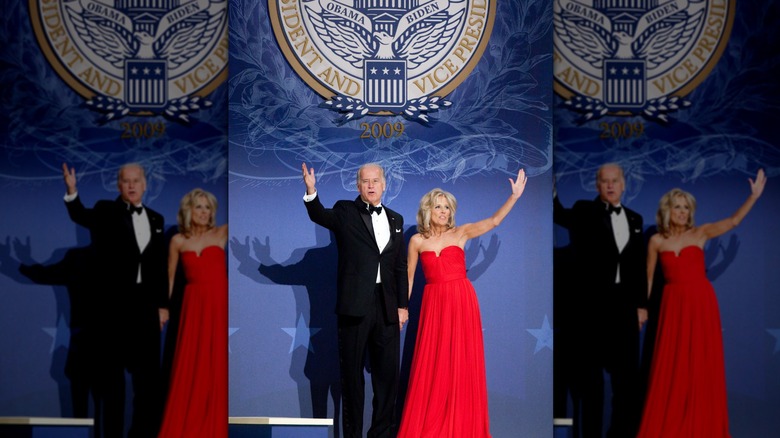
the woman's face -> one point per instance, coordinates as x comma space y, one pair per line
201, 212
440, 213
680, 212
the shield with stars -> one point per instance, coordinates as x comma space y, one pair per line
624, 83
385, 81
146, 84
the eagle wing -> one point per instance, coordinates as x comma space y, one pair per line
666, 42
347, 43
113, 45
426, 43
179, 46
584, 41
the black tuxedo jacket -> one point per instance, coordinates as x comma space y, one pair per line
117, 256
359, 257
596, 254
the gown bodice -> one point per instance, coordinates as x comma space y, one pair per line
449, 265
685, 267
208, 267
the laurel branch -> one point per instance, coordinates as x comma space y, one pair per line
112, 109
654, 110
348, 108
590, 108
416, 110
657, 109
177, 110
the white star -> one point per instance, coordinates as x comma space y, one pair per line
301, 335
146, 70
776, 334
231, 330
373, 70
544, 336
385, 70
397, 71
60, 335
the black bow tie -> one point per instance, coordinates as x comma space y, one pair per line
612, 209
134, 209
372, 209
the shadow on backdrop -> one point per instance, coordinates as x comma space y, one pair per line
311, 272
73, 352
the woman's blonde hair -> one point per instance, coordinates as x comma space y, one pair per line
189, 200
427, 203
662, 216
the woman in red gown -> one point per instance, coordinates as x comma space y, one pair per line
686, 397
197, 397
447, 394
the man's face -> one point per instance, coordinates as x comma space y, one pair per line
610, 185
371, 185
132, 185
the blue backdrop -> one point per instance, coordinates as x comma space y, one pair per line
710, 149
43, 123
282, 269
282, 333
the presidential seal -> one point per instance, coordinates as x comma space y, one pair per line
636, 57
383, 57
138, 57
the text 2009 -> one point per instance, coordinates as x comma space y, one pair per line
621, 130
142, 130
379, 130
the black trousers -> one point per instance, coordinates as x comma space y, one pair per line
373, 338
609, 343
131, 342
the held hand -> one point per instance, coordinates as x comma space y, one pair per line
757, 186
164, 316
403, 318
69, 175
308, 179
518, 186
642, 315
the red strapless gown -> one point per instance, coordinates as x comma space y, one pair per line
447, 394
197, 398
686, 397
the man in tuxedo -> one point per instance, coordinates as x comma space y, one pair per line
609, 265
131, 268
372, 296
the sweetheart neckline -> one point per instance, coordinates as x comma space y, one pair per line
677, 254
198, 255
442, 250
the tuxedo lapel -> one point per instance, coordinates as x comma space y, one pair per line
391, 223
360, 206
156, 227
127, 225
607, 221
